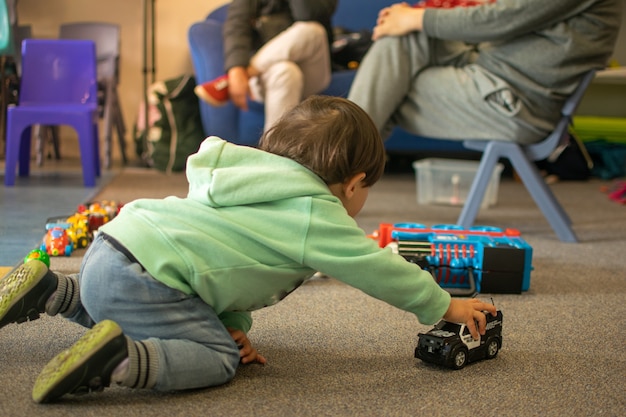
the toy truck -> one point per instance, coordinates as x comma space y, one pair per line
452, 345
463, 261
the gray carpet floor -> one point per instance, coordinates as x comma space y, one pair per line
333, 351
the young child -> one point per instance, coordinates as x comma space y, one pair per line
167, 287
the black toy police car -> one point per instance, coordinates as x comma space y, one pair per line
452, 345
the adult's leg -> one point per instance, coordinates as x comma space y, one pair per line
431, 88
293, 65
388, 71
465, 103
282, 86
193, 348
304, 43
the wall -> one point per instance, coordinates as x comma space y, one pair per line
173, 18
620, 49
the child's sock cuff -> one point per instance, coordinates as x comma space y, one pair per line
143, 364
70, 295
66, 298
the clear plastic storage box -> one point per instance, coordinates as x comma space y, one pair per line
447, 181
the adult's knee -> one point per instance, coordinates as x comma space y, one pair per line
285, 76
309, 32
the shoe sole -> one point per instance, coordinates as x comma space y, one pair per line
208, 98
85, 367
24, 292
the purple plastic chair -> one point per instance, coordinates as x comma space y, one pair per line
58, 87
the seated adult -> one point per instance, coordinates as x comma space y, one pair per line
493, 70
275, 52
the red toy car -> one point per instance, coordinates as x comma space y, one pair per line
57, 242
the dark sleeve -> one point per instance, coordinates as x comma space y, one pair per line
319, 10
238, 33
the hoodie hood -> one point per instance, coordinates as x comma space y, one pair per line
222, 174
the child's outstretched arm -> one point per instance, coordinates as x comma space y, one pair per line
247, 353
470, 312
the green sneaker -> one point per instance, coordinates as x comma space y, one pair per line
86, 366
24, 292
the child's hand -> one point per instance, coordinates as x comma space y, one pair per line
247, 353
470, 312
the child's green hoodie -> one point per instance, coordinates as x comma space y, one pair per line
255, 226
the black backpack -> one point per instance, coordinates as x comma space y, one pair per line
174, 129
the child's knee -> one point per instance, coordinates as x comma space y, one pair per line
231, 363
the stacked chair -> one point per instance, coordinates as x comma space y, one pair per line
107, 39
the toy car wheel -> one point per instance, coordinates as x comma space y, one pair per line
459, 358
492, 348
82, 243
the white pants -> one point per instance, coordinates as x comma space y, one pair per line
293, 65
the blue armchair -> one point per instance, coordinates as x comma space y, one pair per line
228, 122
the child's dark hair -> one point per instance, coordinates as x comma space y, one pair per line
331, 136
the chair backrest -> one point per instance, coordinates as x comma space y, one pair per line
107, 39
219, 13
58, 71
358, 14
544, 148
6, 30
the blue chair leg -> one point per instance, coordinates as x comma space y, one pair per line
542, 195
17, 152
536, 186
89, 154
11, 157
95, 135
24, 156
479, 186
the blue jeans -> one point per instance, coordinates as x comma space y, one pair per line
194, 348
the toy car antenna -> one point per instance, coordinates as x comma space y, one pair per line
476, 294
